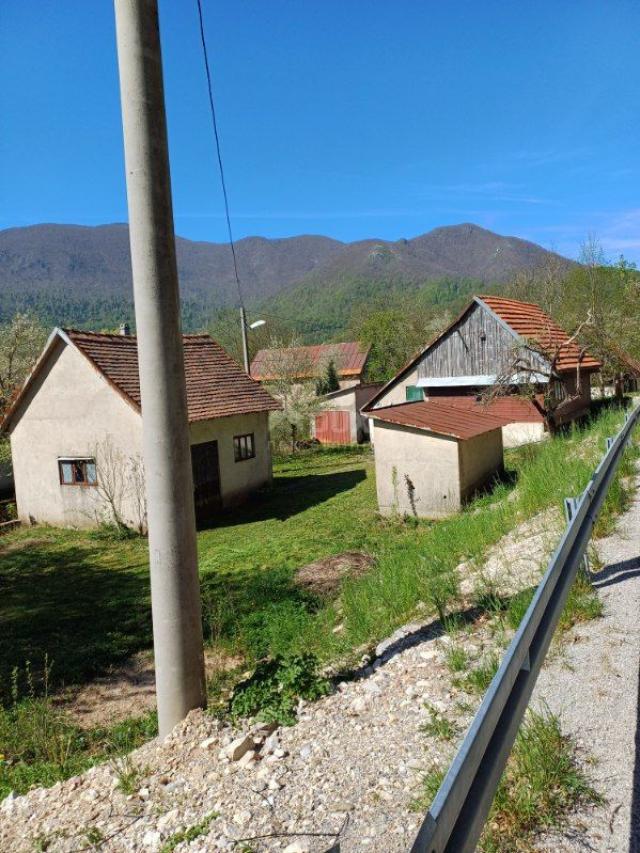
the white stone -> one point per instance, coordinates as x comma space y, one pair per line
208, 743
151, 839
238, 747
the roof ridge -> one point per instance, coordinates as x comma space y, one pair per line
484, 296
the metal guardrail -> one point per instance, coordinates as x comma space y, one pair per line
458, 813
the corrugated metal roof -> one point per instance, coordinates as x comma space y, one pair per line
510, 409
216, 385
349, 359
532, 323
440, 418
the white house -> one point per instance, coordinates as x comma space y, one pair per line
76, 431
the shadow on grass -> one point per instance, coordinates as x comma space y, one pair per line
57, 606
287, 497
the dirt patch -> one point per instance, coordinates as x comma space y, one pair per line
128, 691
323, 577
22, 544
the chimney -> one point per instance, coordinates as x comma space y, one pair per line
125, 329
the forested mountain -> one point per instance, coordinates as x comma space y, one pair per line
77, 275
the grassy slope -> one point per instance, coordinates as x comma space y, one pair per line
82, 602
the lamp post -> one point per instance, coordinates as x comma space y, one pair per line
245, 341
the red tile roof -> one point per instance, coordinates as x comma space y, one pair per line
440, 418
509, 409
216, 385
532, 323
349, 359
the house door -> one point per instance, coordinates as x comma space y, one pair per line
333, 428
206, 480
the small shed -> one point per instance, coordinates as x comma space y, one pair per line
340, 421
432, 457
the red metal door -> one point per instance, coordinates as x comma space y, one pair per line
333, 428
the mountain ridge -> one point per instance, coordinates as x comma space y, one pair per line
82, 272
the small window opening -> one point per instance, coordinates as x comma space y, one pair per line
244, 447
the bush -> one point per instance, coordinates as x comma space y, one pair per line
273, 691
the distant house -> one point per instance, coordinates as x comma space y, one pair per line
341, 420
506, 343
76, 430
431, 457
311, 362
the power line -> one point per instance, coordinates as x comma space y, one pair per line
214, 122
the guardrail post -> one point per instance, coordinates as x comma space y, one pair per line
610, 441
570, 508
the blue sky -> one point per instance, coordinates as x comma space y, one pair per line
357, 118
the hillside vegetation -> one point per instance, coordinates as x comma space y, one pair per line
75, 275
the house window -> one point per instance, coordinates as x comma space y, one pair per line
77, 472
414, 393
243, 447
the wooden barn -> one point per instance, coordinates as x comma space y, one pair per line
507, 343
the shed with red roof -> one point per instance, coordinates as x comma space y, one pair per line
76, 431
432, 456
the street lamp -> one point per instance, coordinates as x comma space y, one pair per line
245, 343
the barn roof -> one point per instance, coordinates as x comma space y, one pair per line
530, 322
440, 418
349, 359
523, 319
509, 408
216, 386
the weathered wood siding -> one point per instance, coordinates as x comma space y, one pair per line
478, 345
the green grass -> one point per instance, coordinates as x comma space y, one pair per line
438, 725
541, 785
81, 600
478, 677
40, 745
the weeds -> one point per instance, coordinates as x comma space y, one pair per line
438, 725
40, 745
128, 775
275, 688
456, 658
541, 784
478, 678
188, 835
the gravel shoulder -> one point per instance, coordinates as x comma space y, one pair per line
593, 686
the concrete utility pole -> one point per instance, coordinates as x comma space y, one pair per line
175, 592
245, 342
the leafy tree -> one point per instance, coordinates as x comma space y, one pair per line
329, 382
291, 372
395, 335
21, 342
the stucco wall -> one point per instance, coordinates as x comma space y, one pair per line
72, 411
397, 394
480, 459
408, 458
237, 479
516, 434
